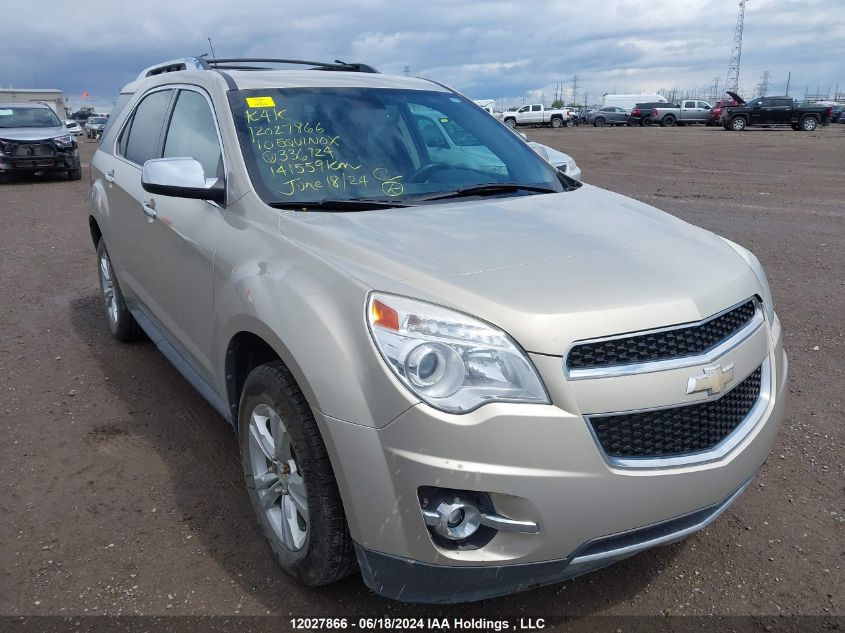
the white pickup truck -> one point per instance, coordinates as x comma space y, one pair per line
537, 114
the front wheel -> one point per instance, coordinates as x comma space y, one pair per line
557, 122
599, 122
808, 124
511, 123
290, 479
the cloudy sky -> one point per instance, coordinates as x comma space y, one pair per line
486, 49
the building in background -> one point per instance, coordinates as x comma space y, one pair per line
53, 98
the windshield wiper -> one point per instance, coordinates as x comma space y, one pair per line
359, 204
489, 189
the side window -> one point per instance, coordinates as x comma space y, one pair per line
535, 108
523, 109
783, 103
432, 137
689, 104
193, 133
704, 105
145, 127
768, 103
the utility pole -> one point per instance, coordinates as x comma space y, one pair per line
788, 79
575, 89
716, 88
407, 71
732, 80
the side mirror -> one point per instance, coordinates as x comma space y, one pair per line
181, 178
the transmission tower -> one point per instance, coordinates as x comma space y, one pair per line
732, 81
763, 86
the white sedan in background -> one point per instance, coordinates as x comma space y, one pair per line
73, 127
562, 161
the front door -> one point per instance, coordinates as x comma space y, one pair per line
181, 240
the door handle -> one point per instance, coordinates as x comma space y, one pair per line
109, 175
149, 209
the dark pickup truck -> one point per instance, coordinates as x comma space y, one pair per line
774, 111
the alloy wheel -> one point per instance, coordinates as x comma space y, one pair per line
278, 481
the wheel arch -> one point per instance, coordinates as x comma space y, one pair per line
94, 228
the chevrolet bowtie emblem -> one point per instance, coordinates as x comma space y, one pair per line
712, 380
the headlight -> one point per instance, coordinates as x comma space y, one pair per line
66, 140
751, 259
571, 166
450, 360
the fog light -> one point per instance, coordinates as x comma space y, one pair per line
455, 521
465, 519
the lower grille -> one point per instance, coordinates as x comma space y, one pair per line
677, 430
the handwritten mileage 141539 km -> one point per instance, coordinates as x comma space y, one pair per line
302, 156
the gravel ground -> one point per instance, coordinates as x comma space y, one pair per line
121, 489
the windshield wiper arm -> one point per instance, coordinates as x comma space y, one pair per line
489, 189
359, 204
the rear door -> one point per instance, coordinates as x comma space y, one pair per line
138, 141
536, 114
781, 110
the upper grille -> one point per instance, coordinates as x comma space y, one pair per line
34, 149
677, 430
683, 341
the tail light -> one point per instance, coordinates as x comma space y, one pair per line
635, 112
830, 111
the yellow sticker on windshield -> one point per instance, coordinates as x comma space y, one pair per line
260, 102
444, 120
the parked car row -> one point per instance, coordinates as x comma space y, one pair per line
732, 114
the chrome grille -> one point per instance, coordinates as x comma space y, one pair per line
663, 345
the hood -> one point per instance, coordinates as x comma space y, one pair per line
32, 133
548, 269
739, 100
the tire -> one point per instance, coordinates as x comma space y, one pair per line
74, 174
297, 488
598, 121
569, 123
809, 124
738, 124
556, 122
122, 324
511, 123
667, 121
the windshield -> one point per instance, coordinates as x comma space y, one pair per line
97, 120
315, 145
28, 117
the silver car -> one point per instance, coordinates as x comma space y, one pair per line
461, 379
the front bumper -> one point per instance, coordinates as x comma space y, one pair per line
538, 463
57, 159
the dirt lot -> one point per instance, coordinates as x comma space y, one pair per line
121, 489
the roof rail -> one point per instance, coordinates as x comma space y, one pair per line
182, 63
244, 63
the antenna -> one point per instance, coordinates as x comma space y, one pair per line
211, 46
732, 81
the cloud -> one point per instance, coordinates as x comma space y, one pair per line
486, 49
